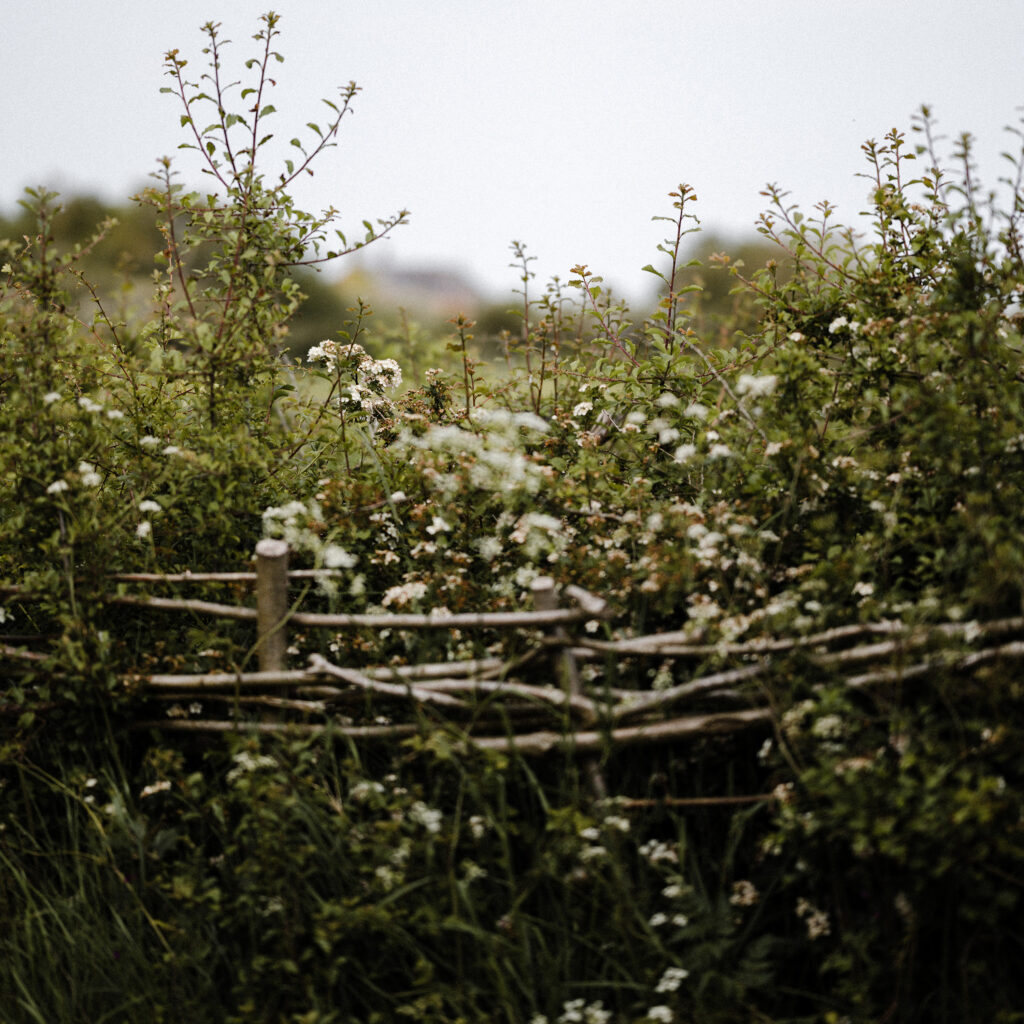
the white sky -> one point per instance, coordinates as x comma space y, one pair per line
563, 124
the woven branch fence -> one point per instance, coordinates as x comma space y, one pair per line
540, 701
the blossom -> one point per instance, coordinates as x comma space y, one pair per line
685, 452
144, 529
89, 405
148, 505
660, 1014
404, 594
438, 525
751, 384
57, 487
582, 408
744, 894
156, 787
672, 979
90, 478
336, 557
50, 397
816, 920
149, 441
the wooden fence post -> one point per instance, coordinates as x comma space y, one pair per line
545, 599
271, 603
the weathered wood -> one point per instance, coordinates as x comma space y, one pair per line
545, 598
272, 604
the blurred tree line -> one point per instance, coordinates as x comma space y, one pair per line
121, 263
120, 246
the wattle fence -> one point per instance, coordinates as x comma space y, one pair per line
538, 702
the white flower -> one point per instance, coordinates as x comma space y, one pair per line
156, 787
172, 449
658, 919
719, 451
50, 397
438, 525
403, 594
837, 324
148, 505
816, 920
744, 894
667, 400
696, 411
685, 452
582, 408
488, 547
90, 478
336, 557
660, 1014
672, 979
796, 336
429, 817
57, 487
750, 384
668, 435
115, 414
144, 529
89, 405
862, 589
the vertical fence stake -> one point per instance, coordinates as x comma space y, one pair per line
271, 603
545, 599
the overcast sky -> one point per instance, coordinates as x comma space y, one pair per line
562, 124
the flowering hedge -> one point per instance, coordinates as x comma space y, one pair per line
853, 465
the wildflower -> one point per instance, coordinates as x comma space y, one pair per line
50, 397
719, 451
838, 324
144, 529
744, 894
171, 449
673, 891
667, 400
672, 979
90, 478
404, 594
658, 919
336, 557
57, 487
380, 373
862, 589
828, 727
115, 414
148, 505
89, 405
428, 817
696, 411
582, 408
750, 384
655, 851
685, 452
816, 920
660, 1014
668, 435
149, 441
156, 787
438, 525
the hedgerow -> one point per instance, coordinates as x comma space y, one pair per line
849, 468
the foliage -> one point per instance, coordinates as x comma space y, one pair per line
851, 456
